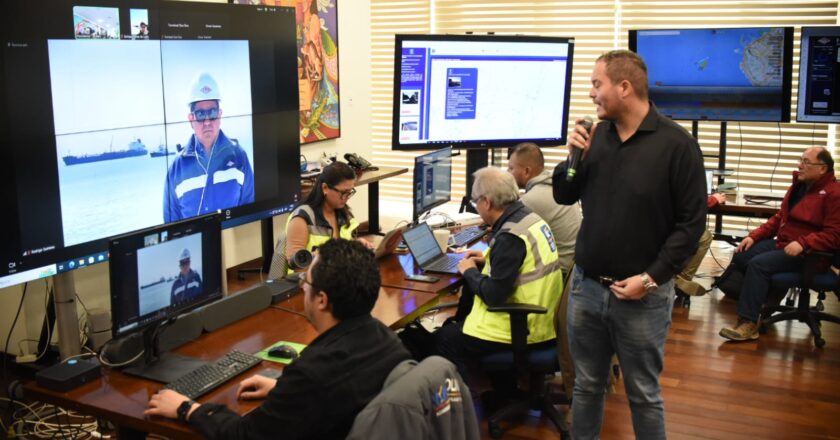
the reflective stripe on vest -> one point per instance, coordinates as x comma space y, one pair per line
540, 282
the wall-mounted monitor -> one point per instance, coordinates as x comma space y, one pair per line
480, 91
130, 114
819, 75
432, 181
722, 74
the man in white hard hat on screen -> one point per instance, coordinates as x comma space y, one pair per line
187, 284
212, 171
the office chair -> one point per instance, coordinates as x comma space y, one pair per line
815, 275
537, 364
422, 401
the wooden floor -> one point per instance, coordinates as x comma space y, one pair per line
779, 387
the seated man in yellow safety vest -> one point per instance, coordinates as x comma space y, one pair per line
521, 266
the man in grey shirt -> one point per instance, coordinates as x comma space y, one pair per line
527, 165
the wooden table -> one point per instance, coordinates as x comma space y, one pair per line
122, 399
759, 211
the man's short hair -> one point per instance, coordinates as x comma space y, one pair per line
626, 65
497, 186
825, 157
347, 272
529, 153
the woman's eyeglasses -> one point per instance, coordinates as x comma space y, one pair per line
344, 194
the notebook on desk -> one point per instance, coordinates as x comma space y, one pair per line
423, 246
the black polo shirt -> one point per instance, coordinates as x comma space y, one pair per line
643, 200
321, 392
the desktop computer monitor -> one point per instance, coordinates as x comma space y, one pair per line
106, 126
819, 75
432, 185
158, 274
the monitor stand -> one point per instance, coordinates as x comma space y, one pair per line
161, 367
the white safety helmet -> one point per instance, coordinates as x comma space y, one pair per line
185, 255
204, 88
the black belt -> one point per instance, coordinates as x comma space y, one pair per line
604, 280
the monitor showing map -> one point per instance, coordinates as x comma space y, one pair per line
725, 74
819, 75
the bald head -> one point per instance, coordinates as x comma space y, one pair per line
526, 162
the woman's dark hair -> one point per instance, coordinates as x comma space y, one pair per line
332, 174
347, 272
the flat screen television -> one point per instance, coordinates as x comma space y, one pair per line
134, 113
720, 74
160, 273
432, 181
819, 75
480, 91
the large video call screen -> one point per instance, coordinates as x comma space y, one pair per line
122, 115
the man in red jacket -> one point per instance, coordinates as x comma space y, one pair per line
808, 220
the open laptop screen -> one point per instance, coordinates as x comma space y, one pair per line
421, 242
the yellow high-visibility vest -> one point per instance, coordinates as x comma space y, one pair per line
540, 282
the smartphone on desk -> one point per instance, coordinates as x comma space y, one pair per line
422, 278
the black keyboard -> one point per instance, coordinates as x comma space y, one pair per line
207, 377
467, 236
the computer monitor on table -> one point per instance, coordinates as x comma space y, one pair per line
432, 184
158, 274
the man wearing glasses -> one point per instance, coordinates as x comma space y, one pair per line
809, 219
188, 283
212, 172
340, 372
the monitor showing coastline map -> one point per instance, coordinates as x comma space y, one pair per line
726, 74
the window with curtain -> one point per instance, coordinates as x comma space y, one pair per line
761, 154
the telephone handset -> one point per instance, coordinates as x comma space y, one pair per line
358, 162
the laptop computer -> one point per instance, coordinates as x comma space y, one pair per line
423, 246
389, 242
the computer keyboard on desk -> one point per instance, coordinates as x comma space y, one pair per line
207, 377
467, 236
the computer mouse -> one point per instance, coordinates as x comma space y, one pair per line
283, 351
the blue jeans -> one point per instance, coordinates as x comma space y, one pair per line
600, 325
759, 263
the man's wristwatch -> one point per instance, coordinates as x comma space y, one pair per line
648, 282
184, 409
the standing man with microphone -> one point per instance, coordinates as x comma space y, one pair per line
642, 188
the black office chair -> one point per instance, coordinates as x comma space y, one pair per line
815, 275
537, 364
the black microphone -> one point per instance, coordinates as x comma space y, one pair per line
574, 157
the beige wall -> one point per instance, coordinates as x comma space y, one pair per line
242, 243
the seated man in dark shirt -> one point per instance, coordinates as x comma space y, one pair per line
809, 219
342, 370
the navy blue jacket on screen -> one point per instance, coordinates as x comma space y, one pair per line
191, 190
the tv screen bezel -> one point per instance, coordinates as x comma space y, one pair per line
787, 69
484, 143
